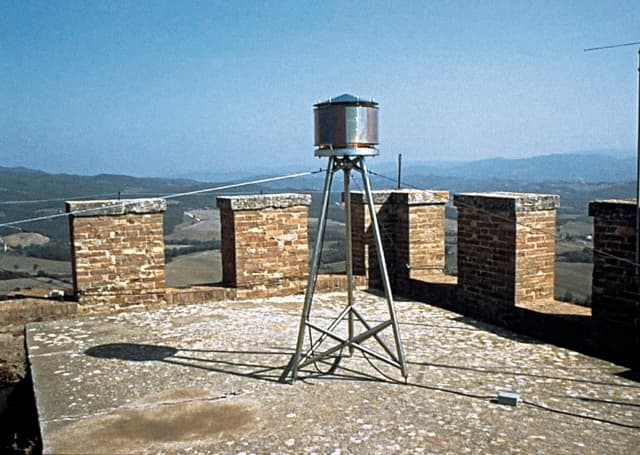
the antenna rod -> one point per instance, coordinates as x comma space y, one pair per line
638, 180
399, 170
611, 46
637, 43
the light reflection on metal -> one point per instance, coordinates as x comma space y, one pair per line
346, 126
346, 132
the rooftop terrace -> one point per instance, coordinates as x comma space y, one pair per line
138, 366
204, 379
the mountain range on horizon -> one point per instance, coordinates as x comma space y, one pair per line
591, 166
587, 166
572, 167
577, 178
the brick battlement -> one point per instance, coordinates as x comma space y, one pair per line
506, 248
263, 201
506, 252
81, 209
265, 240
412, 229
118, 252
616, 285
402, 196
508, 201
622, 209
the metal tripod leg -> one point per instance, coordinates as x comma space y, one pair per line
383, 265
346, 168
313, 273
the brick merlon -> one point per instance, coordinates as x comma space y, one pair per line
402, 197
613, 208
263, 201
111, 207
507, 202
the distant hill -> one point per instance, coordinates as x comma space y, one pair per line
581, 167
577, 177
565, 167
27, 193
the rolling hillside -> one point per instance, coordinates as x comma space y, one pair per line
577, 178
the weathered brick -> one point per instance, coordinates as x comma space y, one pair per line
411, 225
616, 285
506, 248
117, 251
264, 240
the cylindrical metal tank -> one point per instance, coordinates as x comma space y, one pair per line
346, 125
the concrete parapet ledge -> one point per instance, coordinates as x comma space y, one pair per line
111, 207
507, 201
613, 208
402, 197
263, 201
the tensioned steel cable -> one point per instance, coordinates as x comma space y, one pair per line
124, 203
530, 228
611, 46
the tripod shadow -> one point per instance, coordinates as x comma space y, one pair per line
235, 363
238, 364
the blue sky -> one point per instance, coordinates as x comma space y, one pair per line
162, 88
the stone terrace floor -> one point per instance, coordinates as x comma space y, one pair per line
203, 379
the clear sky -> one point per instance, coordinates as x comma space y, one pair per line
162, 88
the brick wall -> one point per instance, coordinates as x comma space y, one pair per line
506, 248
117, 250
616, 286
365, 261
413, 235
25, 310
419, 234
265, 241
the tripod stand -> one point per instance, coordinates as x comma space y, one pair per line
347, 162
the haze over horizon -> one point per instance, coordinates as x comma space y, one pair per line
168, 88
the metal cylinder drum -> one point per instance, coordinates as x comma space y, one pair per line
346, 124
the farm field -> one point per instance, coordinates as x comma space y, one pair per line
24, 272
203, 267
27, 264
198, 225
40, 283
573, 279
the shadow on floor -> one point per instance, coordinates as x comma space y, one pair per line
577, 332
188, 358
